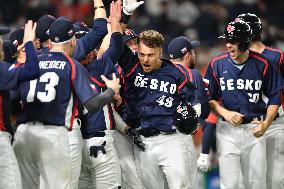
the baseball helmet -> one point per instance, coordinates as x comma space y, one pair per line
255, 24
185, 119
238, 32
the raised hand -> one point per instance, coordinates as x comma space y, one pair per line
29, 34
129, 6
115, 11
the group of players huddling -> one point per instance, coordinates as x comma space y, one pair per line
100, 108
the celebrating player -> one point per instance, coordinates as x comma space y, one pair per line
154, 89
238, 79
10, 78
43, 143
275, 134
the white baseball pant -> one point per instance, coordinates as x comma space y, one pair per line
240, 152
50, 151
9, 170
102, 172
125, 152
171, 155
275, 154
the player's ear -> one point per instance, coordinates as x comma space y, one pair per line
160, 52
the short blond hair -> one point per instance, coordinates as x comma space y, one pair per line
151, 38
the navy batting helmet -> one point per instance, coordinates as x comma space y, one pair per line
255, 24
185, 119
238, 32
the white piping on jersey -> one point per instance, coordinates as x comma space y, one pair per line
69, 112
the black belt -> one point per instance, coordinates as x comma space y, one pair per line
149, 132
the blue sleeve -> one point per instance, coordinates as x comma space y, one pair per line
186, 90
201, 93
31, 68
115, 48
82, 84
212, 82
272, 85
10, 76
208, 137
127, 60
91, 40
102, 66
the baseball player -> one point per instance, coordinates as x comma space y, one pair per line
154, 89
10, 78
274, 135
237, 81
208, 142
85, 44
100, 165
123, 144
130, 39
43, 143
181, 51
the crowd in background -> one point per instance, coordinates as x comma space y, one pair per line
201, 20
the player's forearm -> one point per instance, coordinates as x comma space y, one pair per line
271, 113
116, 47
120, 124
31, 68
99, 8
99, 101
217, 108
91, 40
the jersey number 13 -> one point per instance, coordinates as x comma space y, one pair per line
50, 92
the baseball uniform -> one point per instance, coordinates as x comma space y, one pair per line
10, 77
151, 100
240, 88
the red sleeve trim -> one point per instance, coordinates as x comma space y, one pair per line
263, 61
132, 70
97, 82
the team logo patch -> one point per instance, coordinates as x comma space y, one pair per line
128, 32
16, 43
184, 50
230, 28
70, 32
56, 39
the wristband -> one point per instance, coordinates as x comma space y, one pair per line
99, 7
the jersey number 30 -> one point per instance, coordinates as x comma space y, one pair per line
49, 94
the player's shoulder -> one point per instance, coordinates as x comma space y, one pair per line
258, 57
273, 50
219, 58
174, 69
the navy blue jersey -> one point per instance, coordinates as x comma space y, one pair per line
275, 57
10, 77
95, 123
88, 42
91, 40
152, 98
240, 88
193, 76
52, 97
